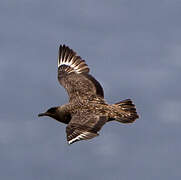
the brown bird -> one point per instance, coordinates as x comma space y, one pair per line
87, 111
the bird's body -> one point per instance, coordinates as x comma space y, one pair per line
87, 111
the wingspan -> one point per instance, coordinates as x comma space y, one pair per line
84, 126
73, 75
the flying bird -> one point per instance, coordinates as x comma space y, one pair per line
87, 110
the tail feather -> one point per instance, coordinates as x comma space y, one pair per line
126, 110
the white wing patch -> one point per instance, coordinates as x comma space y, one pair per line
82, 136
68, 57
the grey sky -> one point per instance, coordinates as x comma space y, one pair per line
132, 47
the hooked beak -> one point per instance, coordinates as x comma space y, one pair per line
42, 114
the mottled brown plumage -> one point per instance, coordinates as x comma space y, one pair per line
87, 111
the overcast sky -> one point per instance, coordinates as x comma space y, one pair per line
133, 47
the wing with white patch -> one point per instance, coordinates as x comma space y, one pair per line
73, 75
74, 135
73, 62
84, 126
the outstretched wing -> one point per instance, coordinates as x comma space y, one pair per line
84, 126
73, 75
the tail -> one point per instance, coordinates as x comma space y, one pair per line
125, 112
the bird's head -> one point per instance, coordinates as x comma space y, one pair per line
58, 114
52, 112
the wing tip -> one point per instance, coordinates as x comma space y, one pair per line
68, 57
83, 136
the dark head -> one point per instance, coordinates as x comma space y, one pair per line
58, 114
52, 112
